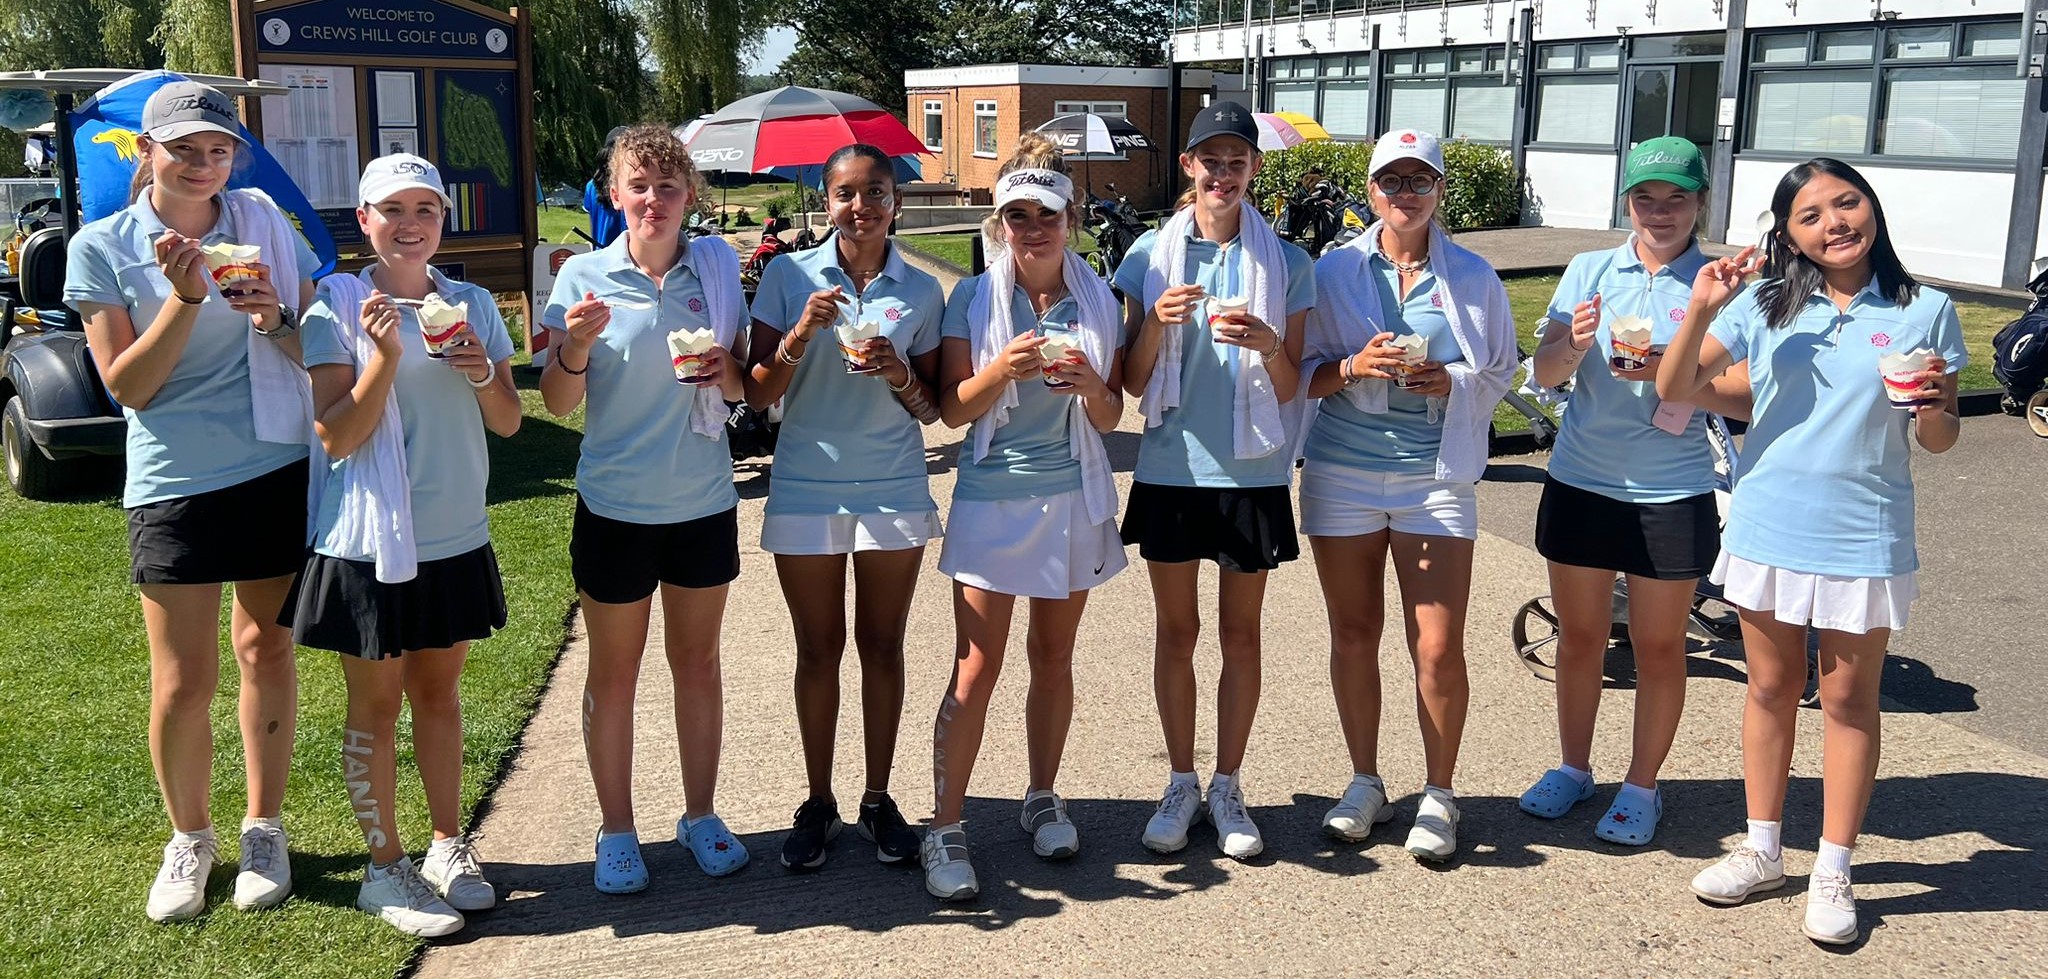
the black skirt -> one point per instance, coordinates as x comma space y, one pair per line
1246, 529
1668, 541
251, 531
340, 605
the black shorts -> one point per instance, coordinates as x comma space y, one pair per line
616, 562
1668, 541
250, 531
1249, 529
340, 605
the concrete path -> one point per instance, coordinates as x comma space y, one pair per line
1950, 873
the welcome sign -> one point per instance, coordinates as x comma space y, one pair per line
398, 28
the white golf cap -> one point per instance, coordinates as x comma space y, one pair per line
1048, 187
387, 175
1407, 144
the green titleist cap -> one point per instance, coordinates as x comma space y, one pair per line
1672, 159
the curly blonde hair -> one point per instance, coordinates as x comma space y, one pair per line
652, 145
1035, 151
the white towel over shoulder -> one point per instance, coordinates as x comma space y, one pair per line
1257, 429
375, 518
717, 268
280, 396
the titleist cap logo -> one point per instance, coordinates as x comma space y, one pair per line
1038, 178
200, 103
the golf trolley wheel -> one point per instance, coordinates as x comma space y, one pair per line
2037, 413
1713, 619
1535, 635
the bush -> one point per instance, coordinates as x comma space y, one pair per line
1481, 192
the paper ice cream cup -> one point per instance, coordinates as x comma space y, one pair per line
1414, 350
1059, 346
1630, 347
230, 263
440, 321
853, 338
1901, 376
1221, 308
686, 349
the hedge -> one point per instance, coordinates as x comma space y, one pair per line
1481, 191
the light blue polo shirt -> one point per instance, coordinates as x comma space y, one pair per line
847, 445
1031, 455
1607, 443
445, 457
198, 434
1826, 483
641, 463
1403, 439
1192, 445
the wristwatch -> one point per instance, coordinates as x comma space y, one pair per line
287, 324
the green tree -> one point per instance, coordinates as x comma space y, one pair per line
197, 36
587, 78
699, 48
37, 35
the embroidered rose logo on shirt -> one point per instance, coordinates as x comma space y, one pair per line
696, 304
1678, 316
1880, 339
1436, 299
893, 314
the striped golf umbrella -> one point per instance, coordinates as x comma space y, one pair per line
792, 126
1085, 133
1280, 130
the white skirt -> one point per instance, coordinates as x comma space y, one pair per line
845, 533
1344, 501
1822, 601
1037, 547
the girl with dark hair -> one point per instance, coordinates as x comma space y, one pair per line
1851, 361
1034, 513
206, 369
849, 482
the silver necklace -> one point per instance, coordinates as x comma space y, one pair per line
1405, 268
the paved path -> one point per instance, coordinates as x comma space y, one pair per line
1950, 873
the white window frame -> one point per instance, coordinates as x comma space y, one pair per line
934, 107
986, 109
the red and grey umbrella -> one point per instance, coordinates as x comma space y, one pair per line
794, 126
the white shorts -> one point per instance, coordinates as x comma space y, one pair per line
1822, 601
845, 533
1340, 501
1036, 547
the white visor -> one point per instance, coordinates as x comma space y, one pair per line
1047, 187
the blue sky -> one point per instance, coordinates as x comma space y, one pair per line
775, 46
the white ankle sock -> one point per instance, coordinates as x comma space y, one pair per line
251, 822
1631, 792
1444, 793
192, 837
1220, 782
1578, 775
1186, 778
1833, 858
1360, 778
1763, 835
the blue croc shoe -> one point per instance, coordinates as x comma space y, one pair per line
1555, 794
1632, 821
718, 852
619, 867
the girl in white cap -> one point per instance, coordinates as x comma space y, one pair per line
1410, 351
1630, 489
1216, 303
1030, 357
409, 369
206, 369
1852, 362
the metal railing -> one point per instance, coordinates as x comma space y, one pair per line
1199, 14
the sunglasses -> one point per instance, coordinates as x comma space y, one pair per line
1419, 184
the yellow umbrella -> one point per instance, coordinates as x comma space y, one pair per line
1309, 129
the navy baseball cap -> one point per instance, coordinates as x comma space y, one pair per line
1224, 119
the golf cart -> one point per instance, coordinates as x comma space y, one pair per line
58, 426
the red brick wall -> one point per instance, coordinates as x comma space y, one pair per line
1151, 180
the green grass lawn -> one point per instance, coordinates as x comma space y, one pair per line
85, 826
555, 222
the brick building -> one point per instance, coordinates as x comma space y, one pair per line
970, 118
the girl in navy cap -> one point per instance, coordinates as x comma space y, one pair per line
206, 369
1215, 304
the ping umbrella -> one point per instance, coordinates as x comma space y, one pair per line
1085, 133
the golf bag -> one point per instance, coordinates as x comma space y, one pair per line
2019, 353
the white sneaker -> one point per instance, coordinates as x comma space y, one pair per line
179, 893
948, 873
1435, 835
265, 875
400, 896
1363, 806
1053, 835
1236, 835
1180, 808
1830, 909
451, 866
1738, 875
